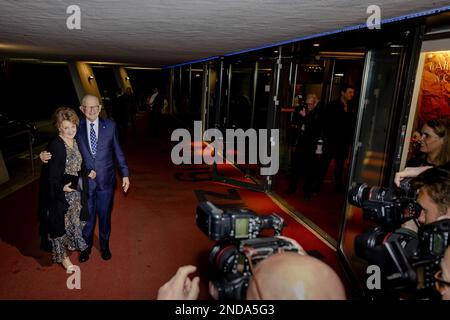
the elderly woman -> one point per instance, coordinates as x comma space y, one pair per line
434, 144
67, 188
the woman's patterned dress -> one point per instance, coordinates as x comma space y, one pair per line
73, 239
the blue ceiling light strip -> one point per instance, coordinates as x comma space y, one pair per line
190, 62
347, 29
326, 33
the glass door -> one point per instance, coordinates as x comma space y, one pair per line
384, 98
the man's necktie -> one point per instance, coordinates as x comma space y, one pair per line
93, 140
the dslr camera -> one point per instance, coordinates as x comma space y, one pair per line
408, 260
388, 207
238, 248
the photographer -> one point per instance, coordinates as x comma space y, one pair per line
443, 276
433, 187
424, 179
181, 287
290, 276
286, 275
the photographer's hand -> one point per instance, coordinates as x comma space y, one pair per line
180, 287
409, 172
213, 291
300, 249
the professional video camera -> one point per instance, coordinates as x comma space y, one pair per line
238, 248
407, 260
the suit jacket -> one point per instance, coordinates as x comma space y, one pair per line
55, 200
103, 163
339, 125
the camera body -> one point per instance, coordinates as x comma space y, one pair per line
238, 247
388, 207
408, 260
234, 224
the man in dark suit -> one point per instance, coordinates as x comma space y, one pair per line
339, 127
98, 143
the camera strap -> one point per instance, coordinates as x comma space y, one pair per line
248, 255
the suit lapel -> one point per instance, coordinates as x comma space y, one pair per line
101, 132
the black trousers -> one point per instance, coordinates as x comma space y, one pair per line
338, 152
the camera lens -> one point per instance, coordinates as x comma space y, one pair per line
358, 194
223, 257
368, 240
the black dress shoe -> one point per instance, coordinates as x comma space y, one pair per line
106, 254
84, 255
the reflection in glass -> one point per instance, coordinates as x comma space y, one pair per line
373, 137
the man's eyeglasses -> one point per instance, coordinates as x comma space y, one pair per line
441, 284
92, 108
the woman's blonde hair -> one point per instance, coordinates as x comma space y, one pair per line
64, 113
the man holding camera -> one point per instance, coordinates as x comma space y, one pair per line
433, 187
284, 275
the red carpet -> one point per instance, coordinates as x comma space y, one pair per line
325, 209
153, 232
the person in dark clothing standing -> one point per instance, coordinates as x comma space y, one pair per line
131, 107
120, 115
306, 156
296, 138
313, 142
339, 126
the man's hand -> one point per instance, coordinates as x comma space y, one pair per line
67, 188
300, 249
45, 156
92, 174
180, 287
125, 184
409, 172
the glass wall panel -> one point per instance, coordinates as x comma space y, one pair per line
372, 156
304, 181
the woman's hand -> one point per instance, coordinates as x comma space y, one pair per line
92, 174
67, 188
